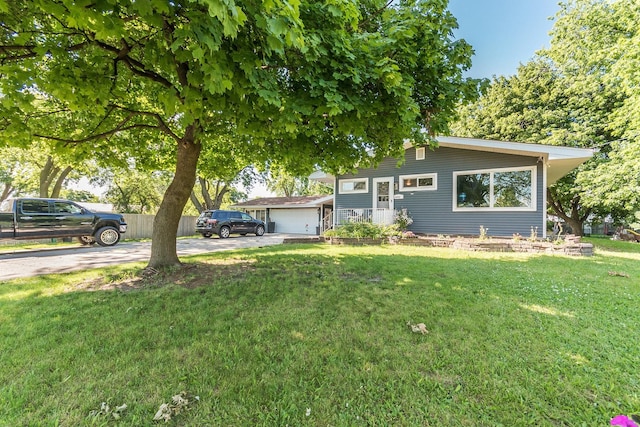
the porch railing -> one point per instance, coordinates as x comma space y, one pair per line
373, 215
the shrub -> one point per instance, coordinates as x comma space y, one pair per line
364, 230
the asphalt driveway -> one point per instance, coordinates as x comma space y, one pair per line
38, 262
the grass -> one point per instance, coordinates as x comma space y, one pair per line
316, 335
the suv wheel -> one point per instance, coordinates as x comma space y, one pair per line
259, 230
224, 232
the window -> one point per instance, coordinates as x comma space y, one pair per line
350, 186
420, 153
65, 207
421, 182
502, 189
35, 206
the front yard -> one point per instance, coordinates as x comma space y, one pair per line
317, 335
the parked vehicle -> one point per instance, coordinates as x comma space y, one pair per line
225, 223
37, 218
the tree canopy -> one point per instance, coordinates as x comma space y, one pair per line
301, 83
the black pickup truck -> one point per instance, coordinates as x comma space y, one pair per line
36, 218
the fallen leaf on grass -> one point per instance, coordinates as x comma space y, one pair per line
179, 403
105, 410
617, 273
420, 327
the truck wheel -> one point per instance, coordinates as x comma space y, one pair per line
107, 236
87, 240
259, 230
224, 232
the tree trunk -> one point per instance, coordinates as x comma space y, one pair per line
46, 174
55, 193
196, 202
165, 224
574, 219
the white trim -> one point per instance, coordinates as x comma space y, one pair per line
432, 187
353, 180
388, 179
421, 153
545, 168
491, 208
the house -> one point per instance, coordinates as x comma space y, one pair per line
299, 215
459, 187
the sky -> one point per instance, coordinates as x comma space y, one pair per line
503, 33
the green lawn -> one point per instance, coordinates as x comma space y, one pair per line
317, 335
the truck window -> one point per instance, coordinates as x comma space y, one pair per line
35, 207
65, 207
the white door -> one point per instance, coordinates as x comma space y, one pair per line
383, 200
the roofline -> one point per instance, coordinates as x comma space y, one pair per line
316, 203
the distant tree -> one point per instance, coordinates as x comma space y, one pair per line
281, 183
133, 191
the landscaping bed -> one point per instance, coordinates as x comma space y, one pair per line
570, 245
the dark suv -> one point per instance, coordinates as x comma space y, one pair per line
224, 223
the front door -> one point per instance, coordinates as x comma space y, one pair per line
383, 200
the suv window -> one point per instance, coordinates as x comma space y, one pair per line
246, 217
220, 215
35, 206
235, 215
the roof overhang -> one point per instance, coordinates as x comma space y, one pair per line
323, 177
280, 203
560, 160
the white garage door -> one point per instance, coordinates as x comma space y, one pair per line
298, 221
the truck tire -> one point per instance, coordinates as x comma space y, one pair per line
260, 230
107, 236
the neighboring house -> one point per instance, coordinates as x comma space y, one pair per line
300, 215
455, 189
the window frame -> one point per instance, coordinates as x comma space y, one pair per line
353, 180
417, 176
421, 153
492, 198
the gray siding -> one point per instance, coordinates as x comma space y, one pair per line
432, 211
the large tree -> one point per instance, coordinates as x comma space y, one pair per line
303, 83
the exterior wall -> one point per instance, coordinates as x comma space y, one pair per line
297, 221
432, 211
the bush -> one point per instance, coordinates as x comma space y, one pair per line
364, 230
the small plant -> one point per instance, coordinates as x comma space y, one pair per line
517, 237
483, 233
402, 219
534, 234
408, 235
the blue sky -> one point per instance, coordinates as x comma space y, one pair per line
503, 33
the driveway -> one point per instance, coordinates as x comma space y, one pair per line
37, 262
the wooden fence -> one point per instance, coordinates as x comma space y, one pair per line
141, 226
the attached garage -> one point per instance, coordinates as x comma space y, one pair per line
309, 215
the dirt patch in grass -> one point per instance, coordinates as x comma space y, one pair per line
190, 276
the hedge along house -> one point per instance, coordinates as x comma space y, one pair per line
457, 188
298, 215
